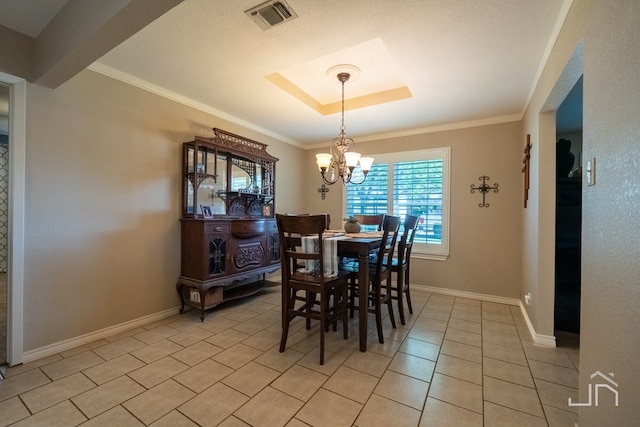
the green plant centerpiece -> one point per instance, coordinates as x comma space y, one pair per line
351, 225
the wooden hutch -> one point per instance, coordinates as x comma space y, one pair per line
229, 235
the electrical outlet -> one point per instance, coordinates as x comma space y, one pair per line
527, 298
194, 296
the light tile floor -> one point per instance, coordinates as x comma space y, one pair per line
458, 362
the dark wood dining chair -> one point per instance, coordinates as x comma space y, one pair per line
401, 264
326, 215
371, 222
324, 298
378, 288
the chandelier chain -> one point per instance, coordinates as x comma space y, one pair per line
340, 164
342, 125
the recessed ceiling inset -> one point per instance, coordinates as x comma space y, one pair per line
378, 81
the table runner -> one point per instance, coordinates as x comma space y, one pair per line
330, 255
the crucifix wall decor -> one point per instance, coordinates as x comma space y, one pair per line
324, 190
525, 169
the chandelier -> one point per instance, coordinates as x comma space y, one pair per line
342, 159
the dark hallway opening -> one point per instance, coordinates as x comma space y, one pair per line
568, 242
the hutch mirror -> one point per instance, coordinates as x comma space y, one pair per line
227, 175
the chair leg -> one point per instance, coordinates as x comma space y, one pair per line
352, 296
286, 302
389, 301
378, 310
375, 298
407, 291
283, 338
335, 297
311, 299
323, 324
399, 292
392, 317
292, 299
345, 320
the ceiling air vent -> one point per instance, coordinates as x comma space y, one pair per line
271, 13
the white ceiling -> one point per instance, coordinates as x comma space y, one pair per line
464, 61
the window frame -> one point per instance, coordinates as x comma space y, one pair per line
428, 251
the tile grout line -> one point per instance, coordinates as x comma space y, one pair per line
426, 397
531, 373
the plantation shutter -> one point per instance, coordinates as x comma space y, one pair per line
370, 197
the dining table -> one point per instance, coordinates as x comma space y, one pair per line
357, 246
360, 246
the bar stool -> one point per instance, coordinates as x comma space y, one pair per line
324, 298
379, 286
401, 266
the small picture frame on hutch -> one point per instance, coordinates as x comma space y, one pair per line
206, 211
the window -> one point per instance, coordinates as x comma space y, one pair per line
370, 197
409, 183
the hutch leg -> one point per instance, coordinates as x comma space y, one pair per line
180, 285
202, 297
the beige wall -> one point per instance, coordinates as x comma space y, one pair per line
611, 215
103, 203
609, 339
484, 242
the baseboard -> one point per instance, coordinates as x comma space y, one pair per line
539, 339
466, 294
48, 350
61, 346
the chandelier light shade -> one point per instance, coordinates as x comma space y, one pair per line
342, 159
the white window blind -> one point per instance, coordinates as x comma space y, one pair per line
409, 183
417, 190
370, 197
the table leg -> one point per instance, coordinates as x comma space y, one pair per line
363, 297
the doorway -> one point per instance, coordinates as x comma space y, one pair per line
4, 215
568, 242
16, 167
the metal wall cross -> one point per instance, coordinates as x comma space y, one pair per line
484, 189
